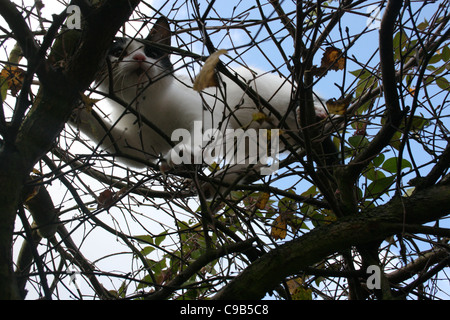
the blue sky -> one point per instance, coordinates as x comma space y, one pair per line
265, 58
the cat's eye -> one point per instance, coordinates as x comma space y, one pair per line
151, 53
118, 49
117, 52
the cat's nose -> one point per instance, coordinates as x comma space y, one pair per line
139, 57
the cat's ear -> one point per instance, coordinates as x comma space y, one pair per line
160, 32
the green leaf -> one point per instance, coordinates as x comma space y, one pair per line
400, 40
158, 266
302, 293
443, 83
159, 239
390, 165
374, 175
361, 74
308, 210
311, 192
358, 141
379, 186
143, 283
435, 59
3, 88
297, 223
147, 250
183, 225
428, 80
145, 239
396, 140
418, 123
122, 290
287, 205
422, 26
445, 55
366, 81
378, 160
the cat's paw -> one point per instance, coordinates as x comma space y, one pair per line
321, 112
165, 167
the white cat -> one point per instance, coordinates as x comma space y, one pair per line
149, 103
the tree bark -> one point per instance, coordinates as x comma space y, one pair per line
58, 95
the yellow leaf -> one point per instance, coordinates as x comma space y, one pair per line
88, 102
32, 194
332, 59
262, 200
14, 77
214, 167
294, 283
269, 134
207, 76
328, 216
298, 290
259, 117
279, 229
301, 293
36, 171
338, 106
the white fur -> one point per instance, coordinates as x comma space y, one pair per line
161, 98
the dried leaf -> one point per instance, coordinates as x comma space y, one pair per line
332, 59
278, 132
287, 207
298, 290
338, 106
262, 200
279, 228
301, 293
207, 76
88, 102
106, 199
14, 77
294, 284
32, 194
259, 117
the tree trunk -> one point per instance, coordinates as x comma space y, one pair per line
59, 93
11, 183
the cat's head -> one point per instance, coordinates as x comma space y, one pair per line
135, 62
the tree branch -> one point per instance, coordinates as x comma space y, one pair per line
373, 225
22, 33
53, 106
347, 175
424, 261
388, 74
195, 266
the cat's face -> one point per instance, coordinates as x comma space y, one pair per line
135, 59
136, 62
